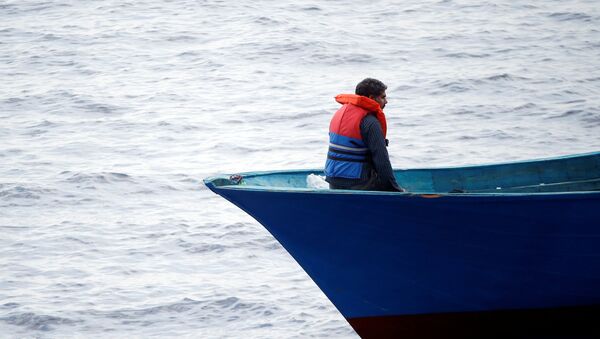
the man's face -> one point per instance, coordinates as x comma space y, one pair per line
381, 99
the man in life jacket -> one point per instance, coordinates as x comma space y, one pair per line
357, 157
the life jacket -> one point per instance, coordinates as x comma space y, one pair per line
347, 151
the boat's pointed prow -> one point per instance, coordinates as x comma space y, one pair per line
520, 244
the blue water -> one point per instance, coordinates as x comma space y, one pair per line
112, 112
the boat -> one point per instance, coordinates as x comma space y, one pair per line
498, 250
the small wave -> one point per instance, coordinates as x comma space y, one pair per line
103, 177
44, 124
576, 101
189, 180
306, 115
404, 88
36, 322
467, 137
593, 120
13, 100
41, 6
454, 86
13, 151
187, 54
461, 55
206, 309
99, 108
63, 101
182, 38
492, 134
356, 58
351, 58
61, 94
206, 248
568, 113
227, 302
177, 307
10, 306
526, 106
503, 76
11, 9
235, 304
463, 111
12, 227
569, 16
17, 191
50, 37
234, 234
263, 20
77, 240
35, 132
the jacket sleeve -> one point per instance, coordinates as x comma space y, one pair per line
373, 137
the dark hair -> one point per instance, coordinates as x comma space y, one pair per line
370, 86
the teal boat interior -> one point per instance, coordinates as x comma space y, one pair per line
574, 173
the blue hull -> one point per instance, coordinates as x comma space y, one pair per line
396, 263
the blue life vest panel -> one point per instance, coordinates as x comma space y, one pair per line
345, 157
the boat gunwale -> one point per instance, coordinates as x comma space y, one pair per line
424, 194
210, 181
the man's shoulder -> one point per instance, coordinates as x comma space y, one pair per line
369, 121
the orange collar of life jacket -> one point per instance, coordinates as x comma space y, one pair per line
365, 103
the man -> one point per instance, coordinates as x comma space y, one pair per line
357, 157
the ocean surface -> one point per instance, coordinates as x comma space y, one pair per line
112, 113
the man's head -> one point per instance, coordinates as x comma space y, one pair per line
373, 89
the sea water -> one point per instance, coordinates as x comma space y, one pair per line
112, 113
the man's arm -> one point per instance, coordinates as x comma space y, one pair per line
373, 138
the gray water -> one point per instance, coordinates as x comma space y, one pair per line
112, 113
